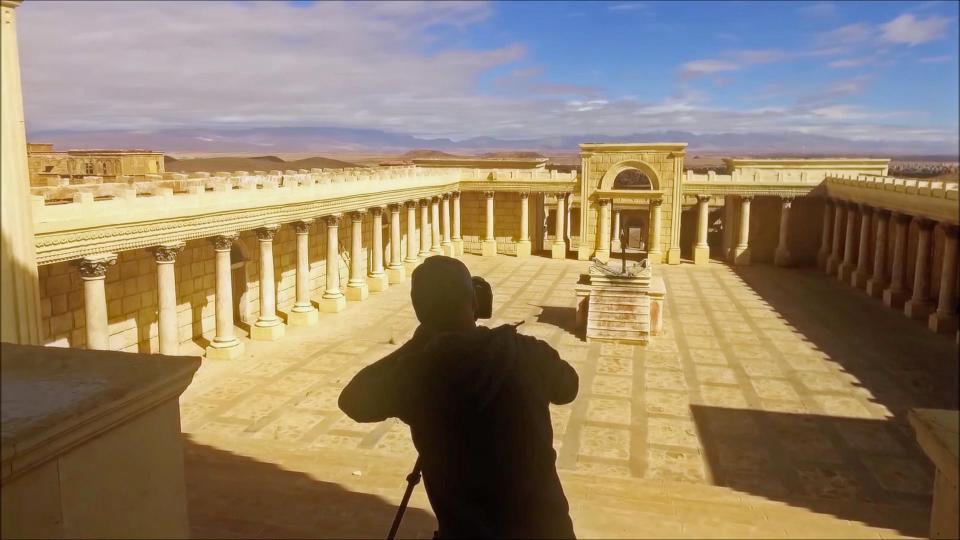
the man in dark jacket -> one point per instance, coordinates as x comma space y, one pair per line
477, 403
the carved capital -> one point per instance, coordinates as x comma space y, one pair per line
455, 195
95, 266
376, 211
524, 194
656, 202
746, 198
445, 196
703, 198
424, 202
395, 208
267, 232
605, 202
786, 202
223, 242
903, 219
333, 220
865, 209
167, 253
882, 215
435, 199
950, 230
924, 223
488, 194
411, 204
357, 215
302, 226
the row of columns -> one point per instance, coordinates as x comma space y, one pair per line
269, 325
884, 275
488, 244
610, 235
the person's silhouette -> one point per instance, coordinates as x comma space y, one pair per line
477, 403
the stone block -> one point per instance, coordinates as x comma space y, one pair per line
378, 283
558, 250
333, 305
271, 332
859, 279
875, 288
225, 353
396, 275
845, 271
356, 293
447, 249
918, 310
303, 318
741, 256
701, 255
942, 323
894, 298
488, 248
457, 248
673, 256
523, 249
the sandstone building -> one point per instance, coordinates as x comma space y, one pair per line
47, 165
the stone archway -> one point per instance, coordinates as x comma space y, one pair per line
609, 179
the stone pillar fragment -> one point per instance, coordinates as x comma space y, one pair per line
701, 251
377, 280
836, 247
303, 312
413, 241
436, 247
93, 272
168, 334
896, 293
654, 251
603, 231
825, 235
224, 344
457, 237
333, 300
559, 248
425, 228
741, 253
944, 320
357, 288
846, 268
396, 273
447, 244
269, 327
878, 280
523, 243
488, 247
859, 277
920, 306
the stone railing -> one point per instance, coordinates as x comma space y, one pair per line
930, 199
782, 182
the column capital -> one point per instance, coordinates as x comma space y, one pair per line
524, 194
455, 195
746, 198
865, 208
375, 210
839, 204
95, 266
357, 215
424, 202
167, 253
605, 202
445, 196
303, 226
949, 230
267, 232
786, 202
435, 199
411, 204
394, 207
882, 214
924, 223
333, 220
488, 194
902, 219
223, 242
656, 202
703, 198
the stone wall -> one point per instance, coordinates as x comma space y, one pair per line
506, 221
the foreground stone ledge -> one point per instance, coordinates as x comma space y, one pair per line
91, 443
937, 432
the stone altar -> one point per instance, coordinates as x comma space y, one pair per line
624, 305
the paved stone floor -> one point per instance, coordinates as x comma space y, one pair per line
773, 405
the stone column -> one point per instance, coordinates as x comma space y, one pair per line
488, 248
845, 270
920, 306
357, 288
20, 286
603, 231
333, 300
93, 272
729, 226
436, 247
860, 276
568, 220
457, 238
268, 327
944, 320
701, 251
654, 251
836, 248
303, 313
395, 271
559, 248
878, 281
168, 332
741, 253
614, 232
896, 293
224, 345
825, 235
523, 243
413, 244
377, 280
425, 228
781, 257
447, 244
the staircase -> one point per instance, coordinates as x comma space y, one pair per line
617, 313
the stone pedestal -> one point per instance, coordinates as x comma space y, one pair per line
524, 248
267, 333
488, 248
457, 247
333, 305
357, 292
558, 250
396, 274
303, 318
618, 308
937, 432
875, 287
701, 255
378, 283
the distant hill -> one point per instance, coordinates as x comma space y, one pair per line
266, 163
425, 153
515, 155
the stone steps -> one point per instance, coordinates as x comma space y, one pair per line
618, 313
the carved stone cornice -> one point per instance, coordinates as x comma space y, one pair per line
167, 253
223, 242
303, 226
95, 266
266, 233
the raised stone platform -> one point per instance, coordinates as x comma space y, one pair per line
619, 306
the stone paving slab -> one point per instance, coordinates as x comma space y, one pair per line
779, 383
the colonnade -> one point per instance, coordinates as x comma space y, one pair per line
439, 233
847, 254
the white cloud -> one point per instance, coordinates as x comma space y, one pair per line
628, 6
935, 59
909, 30
847, 35
696, 68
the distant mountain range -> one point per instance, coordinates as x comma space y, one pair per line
333, 140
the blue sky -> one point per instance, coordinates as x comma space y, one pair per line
858, 70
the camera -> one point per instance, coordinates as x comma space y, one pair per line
484, 295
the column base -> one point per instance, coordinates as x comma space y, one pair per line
831, 266
782, 257
583, 252
859, 279
333, 305
845, 270
741, 256
558, 250
268, 333
424, 254
894, 299
875, 288
822, 260
655, 257
410, 265
942, 323
673, 255
436, 250
701, 255
602, 255
918, 310
225, 351
447, 249
457, 247
356, 293
523, 249
488, 248
303, 318
378, 283
396, 275
615, 246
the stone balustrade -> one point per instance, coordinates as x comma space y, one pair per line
925, 198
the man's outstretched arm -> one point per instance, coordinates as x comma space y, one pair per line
561, 379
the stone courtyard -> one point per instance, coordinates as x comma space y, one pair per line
772, 405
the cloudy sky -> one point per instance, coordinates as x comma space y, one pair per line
857, 70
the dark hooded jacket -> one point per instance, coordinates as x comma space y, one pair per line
477, 404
